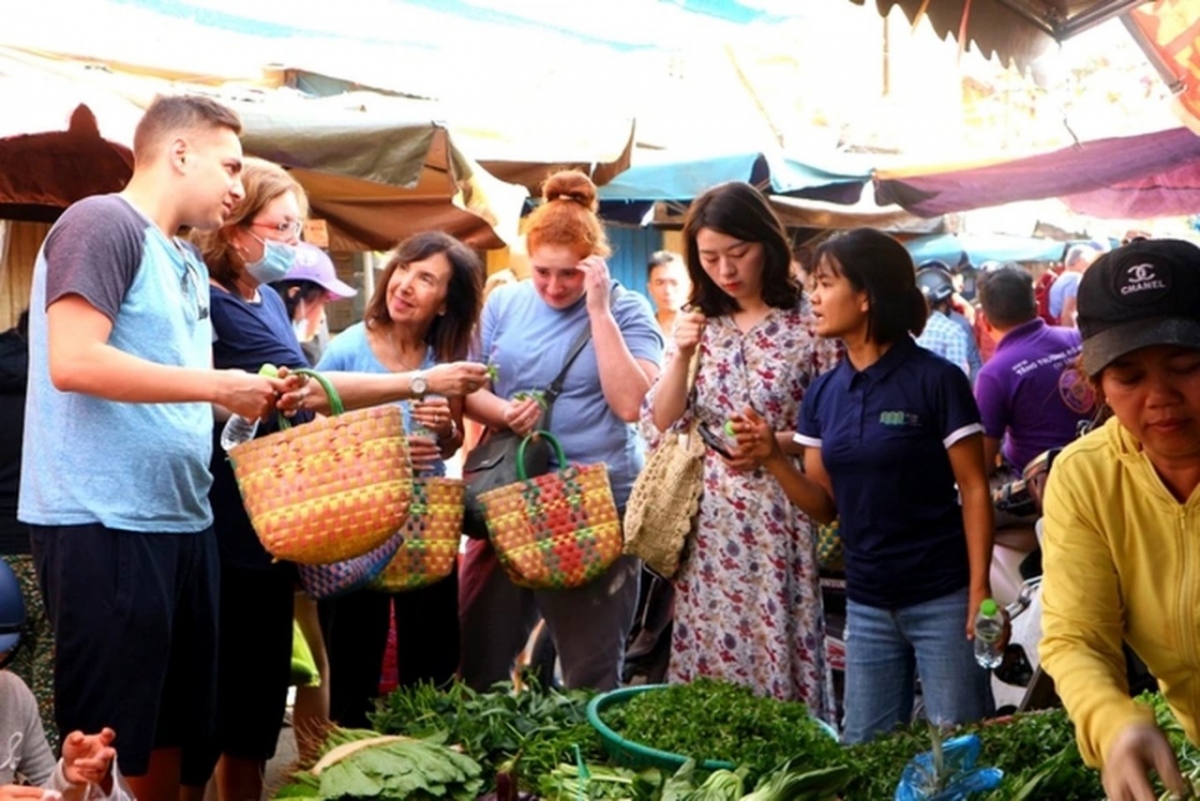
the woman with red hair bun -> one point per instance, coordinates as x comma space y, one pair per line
528, 329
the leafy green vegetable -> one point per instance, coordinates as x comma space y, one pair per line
536, 394
493, 371
1036, 751
712, 720
361, 764
528, 733
786, 784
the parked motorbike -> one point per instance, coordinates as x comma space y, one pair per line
1017, 583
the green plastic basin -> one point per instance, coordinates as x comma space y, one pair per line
636, 755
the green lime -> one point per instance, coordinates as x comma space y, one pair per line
269, 370
729, 428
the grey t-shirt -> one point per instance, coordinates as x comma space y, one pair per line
129, 466
23, 746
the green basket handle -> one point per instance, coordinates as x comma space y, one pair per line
558, 451
335, 400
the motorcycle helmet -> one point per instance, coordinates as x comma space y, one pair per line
12, 613
935, 281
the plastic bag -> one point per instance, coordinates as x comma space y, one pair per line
918, 782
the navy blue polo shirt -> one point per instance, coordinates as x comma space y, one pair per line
884, 434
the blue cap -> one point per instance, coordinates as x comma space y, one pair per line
12, 609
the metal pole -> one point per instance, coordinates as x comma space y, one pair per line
1173, 82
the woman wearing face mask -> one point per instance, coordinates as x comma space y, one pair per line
748, 602
892, 437
423, 313
257, 246
527, 330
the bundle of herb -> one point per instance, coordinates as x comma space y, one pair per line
528, 733
712, 720
362, 764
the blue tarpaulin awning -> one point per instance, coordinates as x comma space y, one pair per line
682, 179
955, 249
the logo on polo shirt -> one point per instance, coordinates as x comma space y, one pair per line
1142, 283
899, 419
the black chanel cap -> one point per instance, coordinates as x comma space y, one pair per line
1145, 293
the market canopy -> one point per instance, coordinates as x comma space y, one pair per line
674, 178
1137, 176
60, 143
1013, 30
956, 249
376, 177
374, 173
515, 147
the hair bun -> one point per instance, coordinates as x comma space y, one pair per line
571, 185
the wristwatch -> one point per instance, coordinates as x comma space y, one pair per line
419, 385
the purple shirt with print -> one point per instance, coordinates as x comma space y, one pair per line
1032, 392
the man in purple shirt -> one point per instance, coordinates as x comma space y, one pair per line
1030, 394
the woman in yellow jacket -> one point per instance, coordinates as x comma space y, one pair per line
1122, 526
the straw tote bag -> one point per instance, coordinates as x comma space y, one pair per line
431, 537
330, 490
556, 531
665, 498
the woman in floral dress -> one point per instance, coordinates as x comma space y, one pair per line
748, 605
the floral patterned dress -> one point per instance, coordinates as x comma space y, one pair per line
748, 604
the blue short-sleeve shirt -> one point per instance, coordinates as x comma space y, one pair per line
529, 341
884, 434
350, 352
129, 466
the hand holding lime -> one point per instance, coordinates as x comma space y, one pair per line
269, 370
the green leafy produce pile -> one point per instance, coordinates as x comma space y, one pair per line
361, 764
576, 783
531, 736
1036, 751
715, 720
527, 733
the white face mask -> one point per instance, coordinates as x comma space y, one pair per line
276, 260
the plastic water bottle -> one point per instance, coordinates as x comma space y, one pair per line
989, 631
237, 430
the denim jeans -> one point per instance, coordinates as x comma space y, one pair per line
887, 649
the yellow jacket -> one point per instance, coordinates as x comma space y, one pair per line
1121, 559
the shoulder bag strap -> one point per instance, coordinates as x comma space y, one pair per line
556, 386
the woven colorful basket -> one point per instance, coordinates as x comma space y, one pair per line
321, 582
556, 531
330, 490
431, 537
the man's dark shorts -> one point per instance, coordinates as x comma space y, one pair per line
135, 628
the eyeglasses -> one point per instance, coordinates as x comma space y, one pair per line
285, 227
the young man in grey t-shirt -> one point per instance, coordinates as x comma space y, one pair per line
117, 443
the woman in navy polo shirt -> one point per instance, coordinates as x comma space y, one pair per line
888, 434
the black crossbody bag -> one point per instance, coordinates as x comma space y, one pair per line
493, 462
